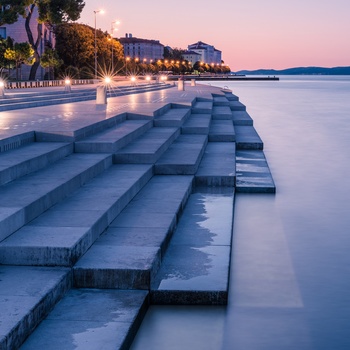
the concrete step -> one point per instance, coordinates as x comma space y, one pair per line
129, 252
195, 269
72, 97
16, 141
30, 158
218, 165
241, 118
81, 132
197, 124
247, 138
173, 117
202, 107
27, 294
183, 156
45, 95
222, 113
230, 96
220, 100
40, 101
24, 199
149, 147
61, 235
253, 173
221, 131
115, 138
91, 319
237, 106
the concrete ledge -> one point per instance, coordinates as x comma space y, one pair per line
61, 235
220, 100
183, 156
87, 318
241, 118
222, 131
201, 107
247, 138
29, 158
222, 112
148, 148
230, 96
113, 139
253, 173
23, 200
129, 253
80, 133
195, 269
27, 294
237, 106
173, 117
197, 124
16, 141
218, 165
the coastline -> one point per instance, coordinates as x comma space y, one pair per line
224, 78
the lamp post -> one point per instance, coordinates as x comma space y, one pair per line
96, 12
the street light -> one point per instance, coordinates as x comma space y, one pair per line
96, 12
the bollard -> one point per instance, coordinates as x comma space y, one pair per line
181, 84
67, 85
193, 82
2, 89
101, 95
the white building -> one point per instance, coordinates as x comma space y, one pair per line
192, 56
142, 49
208, 53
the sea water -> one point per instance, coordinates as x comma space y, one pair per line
290, 268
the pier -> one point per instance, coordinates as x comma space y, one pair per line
107, 209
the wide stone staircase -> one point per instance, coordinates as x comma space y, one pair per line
94, 231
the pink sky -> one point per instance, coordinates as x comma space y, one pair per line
251, 34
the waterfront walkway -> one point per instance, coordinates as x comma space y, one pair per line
105, 209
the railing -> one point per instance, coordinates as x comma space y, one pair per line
44, 83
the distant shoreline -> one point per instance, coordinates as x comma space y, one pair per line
222, 78
299, 71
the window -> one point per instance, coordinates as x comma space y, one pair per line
3, 32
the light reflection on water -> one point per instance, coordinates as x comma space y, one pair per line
290, 275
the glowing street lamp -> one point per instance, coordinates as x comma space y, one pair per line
67, 85
107, 80
96, 12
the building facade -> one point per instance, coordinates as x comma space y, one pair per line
18, 33
142, 49
191, 56
208, 53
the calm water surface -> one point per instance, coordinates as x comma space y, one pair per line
290, 269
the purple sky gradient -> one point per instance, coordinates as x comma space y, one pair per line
251, 34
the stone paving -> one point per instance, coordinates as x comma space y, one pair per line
105, 209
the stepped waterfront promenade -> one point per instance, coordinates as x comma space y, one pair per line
106, 209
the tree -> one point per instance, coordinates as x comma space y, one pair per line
75, 44
19, 54
4, 45
50, 60
49, 12
173, 54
